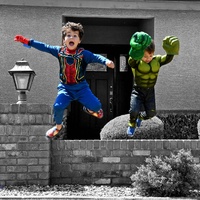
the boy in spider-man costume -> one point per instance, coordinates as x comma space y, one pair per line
145, 67
73, 62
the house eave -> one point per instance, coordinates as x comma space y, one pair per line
111, 4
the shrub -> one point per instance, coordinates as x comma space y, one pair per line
173, 176
180, 125
116, 129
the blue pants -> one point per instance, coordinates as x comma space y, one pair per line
67, 93
142, 99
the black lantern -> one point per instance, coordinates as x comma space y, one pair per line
23, 77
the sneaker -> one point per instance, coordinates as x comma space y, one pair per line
98, 114
54, 133
138, 122
130, 130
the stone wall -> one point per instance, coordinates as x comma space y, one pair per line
28, 157
24, 149
108, 161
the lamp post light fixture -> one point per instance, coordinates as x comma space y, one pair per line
23, 77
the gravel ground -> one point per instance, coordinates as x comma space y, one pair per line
78, 191
68, 190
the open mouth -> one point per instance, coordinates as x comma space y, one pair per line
71, 44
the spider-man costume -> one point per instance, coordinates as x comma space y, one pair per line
71, 71
73, 85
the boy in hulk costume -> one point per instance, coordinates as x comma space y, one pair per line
145, 67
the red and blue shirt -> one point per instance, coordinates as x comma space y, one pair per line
72, 64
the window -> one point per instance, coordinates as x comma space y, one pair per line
97, 66
123, 63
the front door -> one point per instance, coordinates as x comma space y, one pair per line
111, 86
109, 37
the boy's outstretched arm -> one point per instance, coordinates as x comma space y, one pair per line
110, 64
54, 50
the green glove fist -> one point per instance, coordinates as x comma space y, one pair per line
139, 42
171, 45
136, 54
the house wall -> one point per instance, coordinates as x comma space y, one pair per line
178, 83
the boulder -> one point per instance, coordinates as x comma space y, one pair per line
116, 129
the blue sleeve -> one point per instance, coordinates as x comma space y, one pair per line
89, 57
53, 50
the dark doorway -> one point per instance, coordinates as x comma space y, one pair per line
109, 37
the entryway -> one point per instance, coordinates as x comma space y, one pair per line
109, 37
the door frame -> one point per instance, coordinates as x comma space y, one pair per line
95, 28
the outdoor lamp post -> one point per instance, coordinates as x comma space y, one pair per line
23, 77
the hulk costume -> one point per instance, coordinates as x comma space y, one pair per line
145, 76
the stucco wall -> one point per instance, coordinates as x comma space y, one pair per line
42, 24
178, 82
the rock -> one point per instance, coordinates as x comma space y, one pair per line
116, 129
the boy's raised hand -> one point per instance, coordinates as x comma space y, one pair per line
171, 45
110, 64
139, 42
22, 39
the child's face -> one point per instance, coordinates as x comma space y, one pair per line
147, 58
72, 39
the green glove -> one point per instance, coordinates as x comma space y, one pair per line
171, 45
139, 42
136, 54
